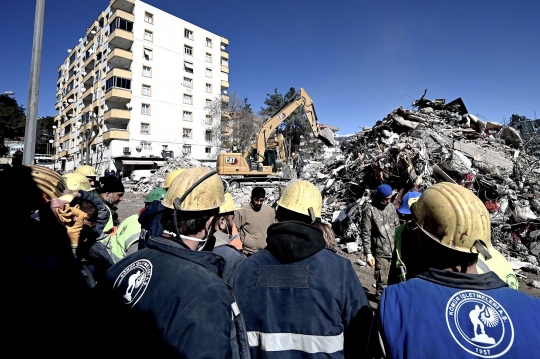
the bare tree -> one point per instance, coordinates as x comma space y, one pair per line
235, 124
89, 131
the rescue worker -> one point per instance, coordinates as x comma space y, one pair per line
223, 235
170, 294
452, 311
90, 173
408, 262
253, 220
125, 239
379, 223
299, 299
111, 193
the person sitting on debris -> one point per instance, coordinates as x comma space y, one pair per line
299, 299
379, 223
437, 314
224, 227
170, 293
253, 220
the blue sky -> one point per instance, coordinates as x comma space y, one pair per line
355, 58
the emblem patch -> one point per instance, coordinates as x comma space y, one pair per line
479, 324
134, 280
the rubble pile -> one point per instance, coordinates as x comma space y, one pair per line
413, 149
158, 178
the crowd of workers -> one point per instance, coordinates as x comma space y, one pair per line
193, 276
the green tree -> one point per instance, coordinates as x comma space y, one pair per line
44, 133
12, 120
294, 126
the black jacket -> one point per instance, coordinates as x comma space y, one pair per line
169, 301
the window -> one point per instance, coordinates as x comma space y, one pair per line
145, 109
70, 86
188, 34
72, 57
208, 57
208, 88
208, 72
224, 62
117, 82
149, 18
208, 120
187, 116
188, 82
120, 23
188, 67
208, 42
145, 128
188, 50
208, 136
208, 103
146, 90
148, 35
188, 99
147, 71
148, 54
208, 150
146, 146
165, 147
186, 133
186, 149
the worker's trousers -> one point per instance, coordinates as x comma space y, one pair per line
382, 269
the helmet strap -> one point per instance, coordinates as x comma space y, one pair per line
481, 248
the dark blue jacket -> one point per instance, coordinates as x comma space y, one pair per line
150, 221
442, 314
232, 257
169, 301
301, 300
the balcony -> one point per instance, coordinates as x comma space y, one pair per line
62, 154
88, 63
126, 5
224, 42
125, 74
116, 134
120, 58
92, 27
224, 69
58, 105
121, 39
123, 14
70, 107
224, 99
87, 95
224, 85
66, 137
89, 79
87, 108
117, 116
224, 54
118, 95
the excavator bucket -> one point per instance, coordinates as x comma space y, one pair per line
327, 136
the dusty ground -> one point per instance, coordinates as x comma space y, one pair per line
132, 204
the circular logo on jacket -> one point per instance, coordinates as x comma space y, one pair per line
479, 324
133, 281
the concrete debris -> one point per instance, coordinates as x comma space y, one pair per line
351, 247
414, 149
534, 284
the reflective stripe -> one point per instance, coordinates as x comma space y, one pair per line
273, 342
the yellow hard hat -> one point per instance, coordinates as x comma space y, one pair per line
499, 265
228, 206
77, 181
206, 195
453, 216
87, 171
171, 176
300, 196
51, 184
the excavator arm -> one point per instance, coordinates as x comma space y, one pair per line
301, 98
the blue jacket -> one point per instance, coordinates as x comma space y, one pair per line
442, 314
301, 300
150, 221
169, 301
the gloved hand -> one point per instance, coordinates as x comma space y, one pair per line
74, 230
371, 260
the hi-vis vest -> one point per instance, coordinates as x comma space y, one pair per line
125, 236
421, 319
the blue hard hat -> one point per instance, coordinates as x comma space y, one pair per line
404, 208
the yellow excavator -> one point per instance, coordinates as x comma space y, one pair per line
262, 159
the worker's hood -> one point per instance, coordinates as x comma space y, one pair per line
292, 241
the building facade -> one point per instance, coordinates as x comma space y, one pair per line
137, 88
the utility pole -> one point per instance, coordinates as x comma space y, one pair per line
33, 90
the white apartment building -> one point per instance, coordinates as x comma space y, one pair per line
137, 85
